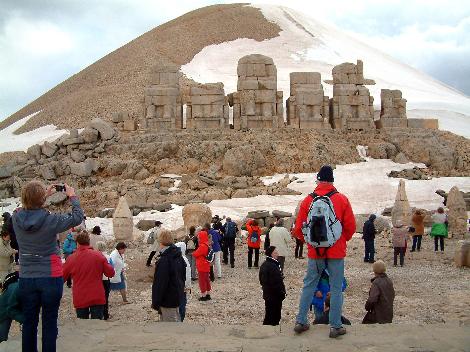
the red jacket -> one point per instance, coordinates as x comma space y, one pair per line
87, 267
343, 212
202, 264
250, 228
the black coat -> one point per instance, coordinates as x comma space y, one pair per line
169, 278
369, 231
272, 280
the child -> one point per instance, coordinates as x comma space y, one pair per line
325, 318
379, 305
69, 247
10, 308
321, 293
399, 240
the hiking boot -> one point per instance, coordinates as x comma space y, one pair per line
208, 297
372, 261
202, 299
232, 266
300, 328
335, 332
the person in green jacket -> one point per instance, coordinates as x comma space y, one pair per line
439, 228
10, 307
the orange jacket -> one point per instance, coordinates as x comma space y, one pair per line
200, 254
343, 212
250, 228
418, 224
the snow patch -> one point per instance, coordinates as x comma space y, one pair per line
270, 180
10, 142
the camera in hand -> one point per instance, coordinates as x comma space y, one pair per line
60, 188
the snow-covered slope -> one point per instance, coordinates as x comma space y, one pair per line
306, 44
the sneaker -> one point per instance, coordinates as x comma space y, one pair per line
300, 328
202, 299
335, 332
208, 297
232, 266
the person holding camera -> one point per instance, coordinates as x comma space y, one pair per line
40, 284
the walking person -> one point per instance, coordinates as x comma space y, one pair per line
439, 228
280, 238
368, 235
417, 221
101, 247
155, 245
87, 267
253, 241
379, 305
95, 236
187, 282
191, 246
68, 248
319, 257
118, 281
230, 235
272, 283
10, 306
400, 236
169, 279
203, 265
6, 256
41, 284
217, 238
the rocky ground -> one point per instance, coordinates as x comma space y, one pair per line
429, 290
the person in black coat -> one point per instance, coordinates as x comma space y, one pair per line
169, 279
368, 235
272, 283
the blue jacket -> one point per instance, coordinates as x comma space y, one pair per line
70, 245
216, 239
36, 231
324, 287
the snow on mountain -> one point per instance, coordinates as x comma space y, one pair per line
306, 44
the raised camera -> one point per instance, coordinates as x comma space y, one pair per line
60, 188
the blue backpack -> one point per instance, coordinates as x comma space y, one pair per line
254, 236
230, 230
210, 255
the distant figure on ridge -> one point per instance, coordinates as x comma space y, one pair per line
326, 221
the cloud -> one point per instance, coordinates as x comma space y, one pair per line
44, 42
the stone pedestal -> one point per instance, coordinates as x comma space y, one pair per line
393, 109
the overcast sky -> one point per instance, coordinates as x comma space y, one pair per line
43, 42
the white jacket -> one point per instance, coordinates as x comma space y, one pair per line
106, 255
182, 246
279, 237
118, 264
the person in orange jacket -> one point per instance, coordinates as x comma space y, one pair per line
253, 241
331, 258
203, 266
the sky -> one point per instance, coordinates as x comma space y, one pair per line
43, 42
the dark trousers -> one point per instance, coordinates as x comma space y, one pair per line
149, 259
107, 288
281, 260
399, 251
182, 307
437, 240
5, 329
299, 247
272, 311
211, 274
229, 248
96, 312
416, 243
37, 294
250, 256
369, 250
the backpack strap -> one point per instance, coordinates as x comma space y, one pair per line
329, 194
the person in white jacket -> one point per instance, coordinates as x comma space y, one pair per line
187, 282
280, 238
118, 281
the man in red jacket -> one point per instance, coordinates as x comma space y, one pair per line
321, 258
253, 241
87, 268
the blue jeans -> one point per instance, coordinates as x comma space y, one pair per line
314, 269
182, 307
37, 294
5, 329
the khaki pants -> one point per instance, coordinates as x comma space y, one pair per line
170, 314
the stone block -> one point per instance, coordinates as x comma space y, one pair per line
259, 70
49, 149
34, 151
89, 135
130, 125
256, 59
248, 84
208, 99
106, 131
265, 96
432, 124
257, 214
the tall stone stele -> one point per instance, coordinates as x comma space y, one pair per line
457, 215
123, 225
401, 209
257, 103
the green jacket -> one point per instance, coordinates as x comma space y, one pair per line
9, 305
439, 229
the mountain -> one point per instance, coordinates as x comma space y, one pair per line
207, 44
